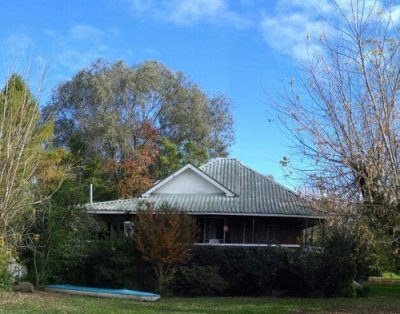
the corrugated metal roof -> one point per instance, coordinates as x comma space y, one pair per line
256, 194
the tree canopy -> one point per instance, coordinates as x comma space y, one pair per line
122, 115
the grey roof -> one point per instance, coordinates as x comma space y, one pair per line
255, 194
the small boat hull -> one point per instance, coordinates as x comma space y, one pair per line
104, 293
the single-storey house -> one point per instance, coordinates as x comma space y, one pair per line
232, 204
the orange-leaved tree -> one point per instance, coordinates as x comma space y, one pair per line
164, 237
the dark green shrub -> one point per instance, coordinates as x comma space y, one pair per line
331, 270
200, 281
115, 263
107, 263
214, 270
63, 243
247, 270
326, 271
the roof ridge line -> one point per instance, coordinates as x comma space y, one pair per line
212, 160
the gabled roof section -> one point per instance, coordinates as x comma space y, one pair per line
192, 181
254, 194
243, 180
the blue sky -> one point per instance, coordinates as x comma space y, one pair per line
244, 49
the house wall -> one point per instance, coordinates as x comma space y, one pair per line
188, 182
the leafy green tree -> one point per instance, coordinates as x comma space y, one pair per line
169, 160
173, 156
119, 113
194, 154
59, 240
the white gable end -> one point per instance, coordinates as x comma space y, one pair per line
188, 182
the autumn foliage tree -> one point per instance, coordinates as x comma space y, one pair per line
164, 236
131, 174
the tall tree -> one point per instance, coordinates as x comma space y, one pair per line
118, 113
24, 142
345, 115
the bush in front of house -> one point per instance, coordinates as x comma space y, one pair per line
199, 281
331, 271
244, 270
108, 263
115, 263
233, 271
226, 271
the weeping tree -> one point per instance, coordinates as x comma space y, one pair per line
120, 114
344, 118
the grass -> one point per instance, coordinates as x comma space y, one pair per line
384, 298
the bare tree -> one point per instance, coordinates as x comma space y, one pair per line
345, 115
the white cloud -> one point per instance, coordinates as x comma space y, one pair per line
292, 34
295, 27
81, 45
193, 11
189, 12
76, 58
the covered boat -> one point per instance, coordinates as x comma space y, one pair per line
104, 293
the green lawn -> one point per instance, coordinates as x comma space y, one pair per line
384, 298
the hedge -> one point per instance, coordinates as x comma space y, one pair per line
226, 271
232, 271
